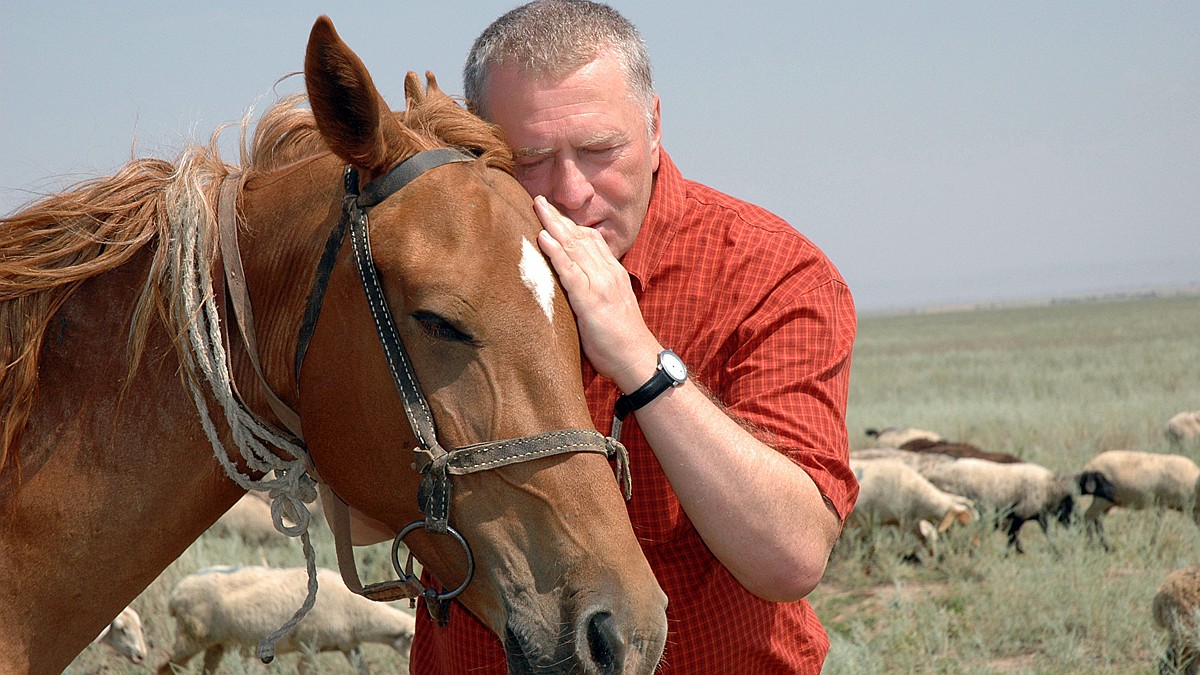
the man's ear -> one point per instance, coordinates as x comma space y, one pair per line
656, 133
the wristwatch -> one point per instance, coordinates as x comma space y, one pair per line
671, 372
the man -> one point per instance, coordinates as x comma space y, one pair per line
740, 469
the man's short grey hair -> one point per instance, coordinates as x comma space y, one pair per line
554, 38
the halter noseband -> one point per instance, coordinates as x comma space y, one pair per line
433, 461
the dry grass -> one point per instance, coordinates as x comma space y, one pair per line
1055, 385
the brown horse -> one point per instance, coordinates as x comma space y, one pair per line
99, 428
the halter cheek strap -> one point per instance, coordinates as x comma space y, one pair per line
375, 191
435, 462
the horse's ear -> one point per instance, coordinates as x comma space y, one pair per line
414, 93
432, 83
349, 110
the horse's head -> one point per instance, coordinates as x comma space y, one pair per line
493, 344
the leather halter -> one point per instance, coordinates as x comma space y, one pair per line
432, 460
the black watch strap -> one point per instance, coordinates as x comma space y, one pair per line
657, 384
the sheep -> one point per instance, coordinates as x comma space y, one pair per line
1175, 610
1142, 480
894, 437
923, 462
1183, 428
1021, 492
893, 493
958, 450
124, 635
223, 607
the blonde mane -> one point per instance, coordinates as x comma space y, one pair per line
52, 246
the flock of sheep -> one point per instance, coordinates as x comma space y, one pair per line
231, 608
924, 484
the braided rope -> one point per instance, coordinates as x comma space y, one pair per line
191, 247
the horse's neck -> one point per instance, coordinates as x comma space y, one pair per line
282, 233
116, 477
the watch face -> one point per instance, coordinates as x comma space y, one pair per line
673, 366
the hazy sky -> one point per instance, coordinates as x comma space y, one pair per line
937, 151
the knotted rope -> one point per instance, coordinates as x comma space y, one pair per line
191, 246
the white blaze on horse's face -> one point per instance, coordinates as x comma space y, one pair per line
536, 274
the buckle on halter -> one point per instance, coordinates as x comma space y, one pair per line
433, 495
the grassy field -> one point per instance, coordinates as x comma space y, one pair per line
1053, 384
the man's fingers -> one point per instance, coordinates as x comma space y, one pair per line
548, 243
571, 248
554, 251
597, 287
564, 230
558, 225
573, 276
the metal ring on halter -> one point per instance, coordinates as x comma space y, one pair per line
445, 595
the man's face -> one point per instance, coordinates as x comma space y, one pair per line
582, 142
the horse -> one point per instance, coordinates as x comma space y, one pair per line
126, 330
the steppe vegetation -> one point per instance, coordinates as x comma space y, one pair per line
1053, 384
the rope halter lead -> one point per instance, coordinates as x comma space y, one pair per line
433, 461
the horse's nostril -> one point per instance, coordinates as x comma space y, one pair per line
606, 645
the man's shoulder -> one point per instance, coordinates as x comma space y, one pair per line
749, 230
720, 206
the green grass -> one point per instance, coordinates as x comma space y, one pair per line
1053, 384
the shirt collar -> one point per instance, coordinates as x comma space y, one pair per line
663, 220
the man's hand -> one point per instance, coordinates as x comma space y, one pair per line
614, 336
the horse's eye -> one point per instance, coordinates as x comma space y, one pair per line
439, 328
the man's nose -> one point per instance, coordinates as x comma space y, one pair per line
572, 187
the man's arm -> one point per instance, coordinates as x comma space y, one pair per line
760, 514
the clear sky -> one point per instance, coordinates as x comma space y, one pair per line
938, 151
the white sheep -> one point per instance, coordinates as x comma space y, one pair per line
1020, 491
124, 635
894, 437
223, 607
1183, 427
1176, 608
923, 462
1142, 480
893, 493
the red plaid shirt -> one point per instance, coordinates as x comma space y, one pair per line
766, 323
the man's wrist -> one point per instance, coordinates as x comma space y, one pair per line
669, 372
637, 373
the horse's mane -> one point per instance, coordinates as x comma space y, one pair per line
55, 244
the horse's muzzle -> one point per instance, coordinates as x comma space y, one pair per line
597, 644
